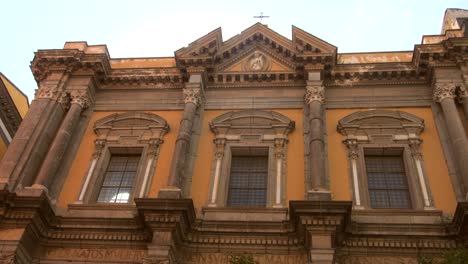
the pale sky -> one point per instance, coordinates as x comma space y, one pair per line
144, 28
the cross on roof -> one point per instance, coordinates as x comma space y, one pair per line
261, 16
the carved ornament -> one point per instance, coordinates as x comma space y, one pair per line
462, 93
80, 97
220, 143
444, 91
353, 150
153, 147
315, 94
414, 145
192, 95
257, 62
279, 147
98, 147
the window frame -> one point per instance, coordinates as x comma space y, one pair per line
235, 130
385, 129
126, 133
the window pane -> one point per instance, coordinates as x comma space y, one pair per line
119, 179
387, 182
248, 181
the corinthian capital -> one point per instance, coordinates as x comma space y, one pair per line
80, 97
444, 91
462, 93
315, 94
192, 95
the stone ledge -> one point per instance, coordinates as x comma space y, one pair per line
245, 214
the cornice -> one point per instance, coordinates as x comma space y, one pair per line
8, 111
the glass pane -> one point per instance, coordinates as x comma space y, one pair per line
399, 199
119, 179
378, 199
376, 180
107, 195
112, 178
248, 181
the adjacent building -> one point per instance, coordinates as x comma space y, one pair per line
280, 149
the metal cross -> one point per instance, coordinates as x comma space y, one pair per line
261, 16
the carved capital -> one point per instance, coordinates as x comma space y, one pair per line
315, 94
98, 147
353, 150
64, 100
219, 142
80, 97
279, 147
415, 149
444, 91
192, 95
154, 147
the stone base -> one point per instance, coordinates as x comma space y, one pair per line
170, 193
322, 256
36, 191
319, 195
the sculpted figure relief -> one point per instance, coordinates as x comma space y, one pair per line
256, 62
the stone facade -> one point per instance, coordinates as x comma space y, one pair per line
313, 114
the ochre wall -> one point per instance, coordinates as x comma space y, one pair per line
434, 160
19, 99
294, 159
3, 148
75, 178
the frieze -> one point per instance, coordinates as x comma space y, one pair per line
95, 254
223, 258
377, 260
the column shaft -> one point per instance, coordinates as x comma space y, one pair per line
458, 137
58, 147
181, 147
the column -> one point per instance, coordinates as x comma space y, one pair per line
31, 142
79, 100
417, 157
98, 147
353, 155
463, 98
152, 154
316, 182
220, 143
444, 93
279, 155
192, 99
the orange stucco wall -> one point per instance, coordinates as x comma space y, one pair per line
3, 148
434, 161
75, 178
294, 159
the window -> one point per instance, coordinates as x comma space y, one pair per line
124, 158
248, 180
385, 160
386, 179
119, 179
249, 159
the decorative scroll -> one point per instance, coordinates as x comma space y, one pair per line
414, 145
315, 94
353, 150
153, 147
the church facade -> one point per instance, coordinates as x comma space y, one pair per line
274, 149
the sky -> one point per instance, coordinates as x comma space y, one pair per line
152, 28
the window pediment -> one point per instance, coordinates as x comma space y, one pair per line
380, 122
252, 122
142, 126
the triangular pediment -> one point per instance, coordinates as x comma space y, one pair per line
258, 48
